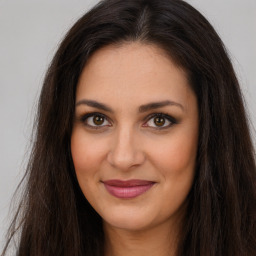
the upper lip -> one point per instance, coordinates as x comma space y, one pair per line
127, 183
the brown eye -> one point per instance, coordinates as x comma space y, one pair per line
98, 120
159, 121
95, 120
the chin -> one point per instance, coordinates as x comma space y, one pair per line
131, 224
129, 220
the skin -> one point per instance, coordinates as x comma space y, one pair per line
129, 145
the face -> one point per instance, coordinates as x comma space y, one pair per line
134, 138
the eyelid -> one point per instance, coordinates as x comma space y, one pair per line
85, 117
171, 119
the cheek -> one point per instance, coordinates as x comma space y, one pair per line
177, 154
87, 156
176, 164
86, 153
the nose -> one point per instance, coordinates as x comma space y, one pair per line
126, 150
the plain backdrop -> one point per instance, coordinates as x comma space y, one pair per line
29, 35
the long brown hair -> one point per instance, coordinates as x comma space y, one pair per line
54, 218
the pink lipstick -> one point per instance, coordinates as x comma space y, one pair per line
127, 188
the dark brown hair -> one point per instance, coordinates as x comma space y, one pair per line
54, 218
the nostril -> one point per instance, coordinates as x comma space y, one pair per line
125, 159
125, 151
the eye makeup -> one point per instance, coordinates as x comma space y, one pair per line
158, 121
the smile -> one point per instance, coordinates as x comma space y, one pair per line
127, 189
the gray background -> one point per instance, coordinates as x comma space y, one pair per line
29, 35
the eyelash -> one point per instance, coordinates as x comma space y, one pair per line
85, 118
167, 117
172, 120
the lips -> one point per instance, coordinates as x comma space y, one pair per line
127, 189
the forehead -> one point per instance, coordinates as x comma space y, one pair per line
132, 70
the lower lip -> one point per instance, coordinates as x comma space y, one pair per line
128, 192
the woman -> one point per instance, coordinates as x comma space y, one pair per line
142, 144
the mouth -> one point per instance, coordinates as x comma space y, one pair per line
127, 189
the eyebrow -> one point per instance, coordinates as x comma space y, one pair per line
155, 105
94, 104
142, 108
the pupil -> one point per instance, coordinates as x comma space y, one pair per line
159, 121
98, 120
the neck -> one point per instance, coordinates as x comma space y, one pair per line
160, 240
